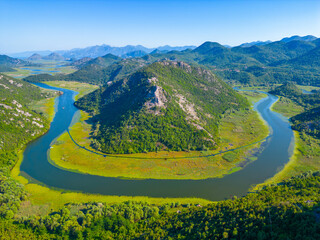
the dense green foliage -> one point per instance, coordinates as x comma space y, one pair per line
42, 77
18, 126
166, 105
4, 68
289, 210
8, 63
308, 121
99, 75
96, 71
276, 62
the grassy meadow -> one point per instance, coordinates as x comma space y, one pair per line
81, 88
236, 129
50, 67
42, 198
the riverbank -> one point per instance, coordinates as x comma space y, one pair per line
42, 199
306, 155
236, 129
81, 88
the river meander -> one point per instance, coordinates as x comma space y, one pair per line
274, 153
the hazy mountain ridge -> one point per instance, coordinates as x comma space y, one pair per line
8, 63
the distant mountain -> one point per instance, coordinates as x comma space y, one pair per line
54, 57
309, 59
96, 51
157, 51
138, 53
275, 62
256, 43
80, 63
104, 61
12, 62
276, 51
95, 71
166, 105
27, 54
307, 38
8, 63
169, 48
99, 75
34, 57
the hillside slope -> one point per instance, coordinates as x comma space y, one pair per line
166, 105
18, 123
8, 63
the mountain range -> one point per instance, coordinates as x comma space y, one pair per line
101, 50
276, 62
138, 50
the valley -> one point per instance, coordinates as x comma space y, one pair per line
219, 146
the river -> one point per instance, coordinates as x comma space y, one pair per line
275, 152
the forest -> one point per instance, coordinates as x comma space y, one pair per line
288, 210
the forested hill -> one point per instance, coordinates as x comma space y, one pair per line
18, 123
274, 62
166, 105
290, 90
308, 121
295, 60
8, 63
95, 71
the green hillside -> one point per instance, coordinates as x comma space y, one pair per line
308, 122
18, 123
97, 71
8, 63
310, 59
166, 105
291, 91
99, 75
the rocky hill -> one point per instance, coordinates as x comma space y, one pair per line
166, 105
18, 123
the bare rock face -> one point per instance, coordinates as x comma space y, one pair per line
157, 100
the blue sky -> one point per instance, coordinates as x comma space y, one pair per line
65, 24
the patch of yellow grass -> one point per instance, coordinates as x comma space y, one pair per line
299, 162
287, 107
306, 154
55, 199
236, 129
81, 88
